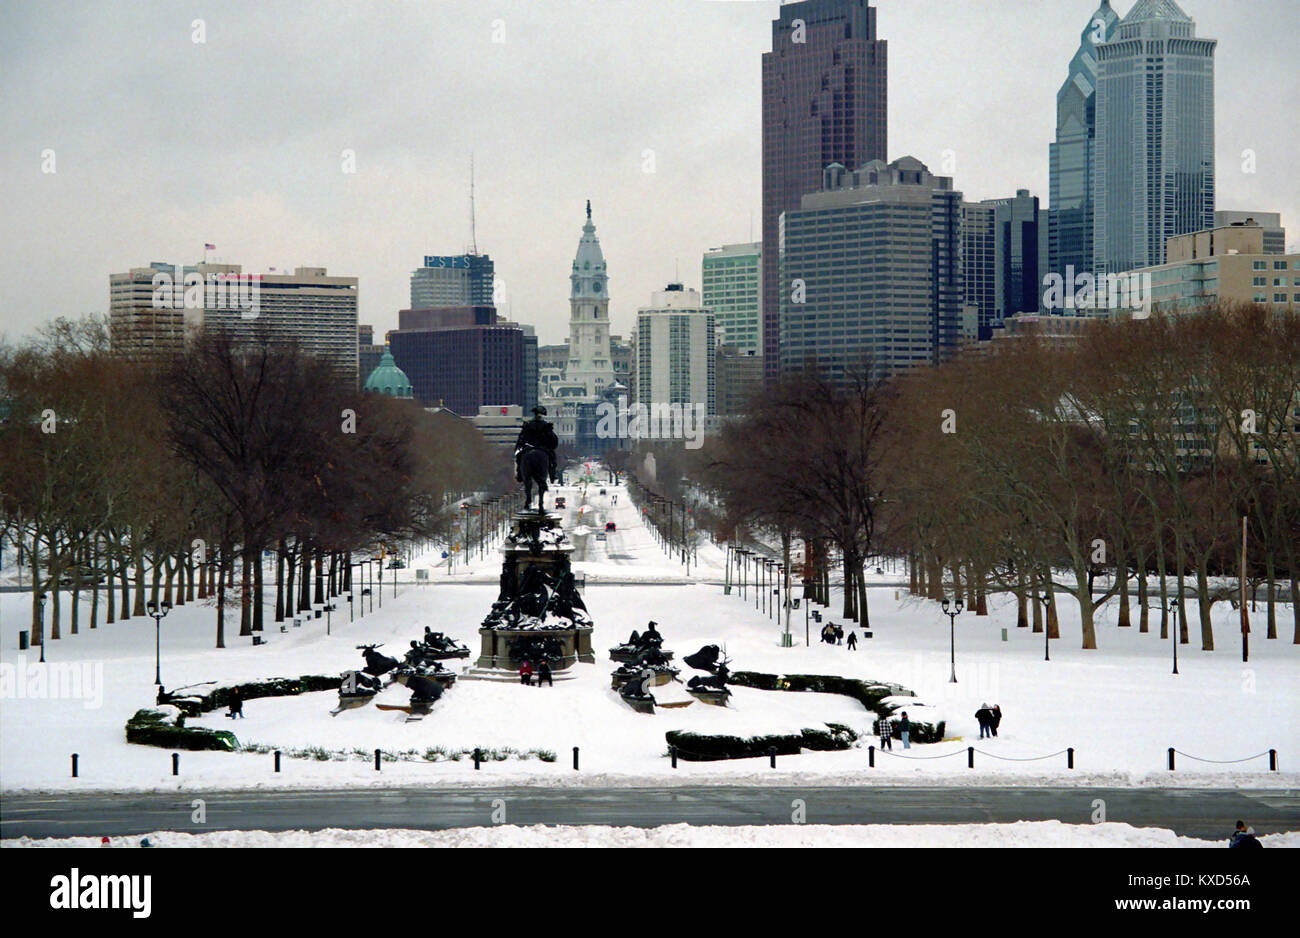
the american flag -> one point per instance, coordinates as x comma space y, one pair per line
209, 247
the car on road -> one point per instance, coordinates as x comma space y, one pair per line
560, 502
610, 526
600, 535
397, 564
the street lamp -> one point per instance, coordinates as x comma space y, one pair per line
1047, 626
40, 598
952, 635
1173, 632
158, 612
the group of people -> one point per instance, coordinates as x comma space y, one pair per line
989, 718
833, 634
885, 730
542, 671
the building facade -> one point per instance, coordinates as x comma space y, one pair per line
453, 280
463, 368
1271, 222
876, 262
1226, 265
1072, 156
824, 101
732, 286
979, 262
676, 347
1154, 174
738, 376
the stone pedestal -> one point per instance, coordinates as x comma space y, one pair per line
575, 645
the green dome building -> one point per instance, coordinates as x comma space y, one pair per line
388, 379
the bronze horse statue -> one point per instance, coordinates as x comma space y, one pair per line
534, 467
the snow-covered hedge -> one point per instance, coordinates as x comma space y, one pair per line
698, 747
200, 698
165, 726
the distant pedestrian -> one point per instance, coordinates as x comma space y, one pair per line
853, 641
884, 730
839, 635
985, 717
236, 704
526, 673
1244, 837
544, 674
996, 718
905, 730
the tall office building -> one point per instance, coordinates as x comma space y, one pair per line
878, 254
733, 288
1155, 136
463, 367
455, 280
824, 101
1070, 212
1020, 250
676, 348
1271, 222
308, 307
979, 262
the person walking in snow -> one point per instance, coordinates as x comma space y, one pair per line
526, 673
995, 718
236, 704
544, 674
885, 732
985, 717
905, 730
839, 635
853, 641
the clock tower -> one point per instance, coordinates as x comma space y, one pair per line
590, 364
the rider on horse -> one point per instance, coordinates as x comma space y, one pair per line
536, 434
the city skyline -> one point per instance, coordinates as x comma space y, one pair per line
256, 168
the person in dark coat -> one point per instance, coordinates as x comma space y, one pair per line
995, 718
853, 641
1244, 837
544, 674
839, 635
236, 704
985, 717
885, 731
905, 730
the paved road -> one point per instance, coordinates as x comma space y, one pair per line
1204, 813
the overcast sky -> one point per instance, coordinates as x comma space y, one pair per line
162, 143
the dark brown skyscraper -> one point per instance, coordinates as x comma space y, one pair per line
824, 97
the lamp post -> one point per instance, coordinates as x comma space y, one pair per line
1173, 631
380, 561
158, 611
952, 635
1047, 626
40, 599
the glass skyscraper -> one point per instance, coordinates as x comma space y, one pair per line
1154, 173
733, 289
1070, 222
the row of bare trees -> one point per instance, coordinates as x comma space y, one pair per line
168, 483
1115, 468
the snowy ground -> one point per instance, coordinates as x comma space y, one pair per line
1021, 834
1120, 708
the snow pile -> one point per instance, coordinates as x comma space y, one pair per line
1020, 834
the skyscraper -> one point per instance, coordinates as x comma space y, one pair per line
455, 280
1155, 136
877, 255
824, 101
675, 350
1019, 245
1070, 212
733, 289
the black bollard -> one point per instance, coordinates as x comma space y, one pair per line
970, 757
1069, 758
376, 760
575, 758
478, 757
771, 755
871, 757
1272, 760
1171, 758
277, 760
74, 765
672, 754
176, 763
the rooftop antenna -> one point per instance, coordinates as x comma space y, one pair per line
473, 230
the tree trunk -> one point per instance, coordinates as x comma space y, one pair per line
1144, 614
258, 603
1038, 606
1121, 571
245, 591
137, 608
93, 554
221, 594
1271, 573
1203, 602
279, 581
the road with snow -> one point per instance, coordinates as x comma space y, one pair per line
1203, 813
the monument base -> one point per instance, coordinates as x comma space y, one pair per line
575, 646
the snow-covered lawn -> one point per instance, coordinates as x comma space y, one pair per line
1020, 834
1120, 708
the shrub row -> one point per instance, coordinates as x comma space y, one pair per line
697, 747
165, 727
202, 698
